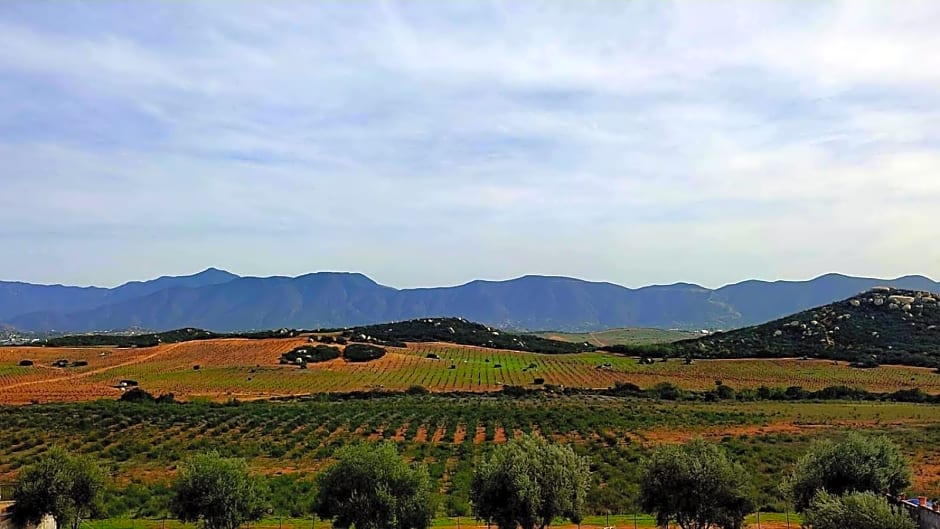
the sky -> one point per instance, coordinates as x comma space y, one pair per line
429, 143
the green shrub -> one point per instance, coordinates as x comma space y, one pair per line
358, 352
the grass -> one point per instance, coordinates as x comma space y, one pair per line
629, 336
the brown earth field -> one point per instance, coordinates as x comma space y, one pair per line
249, 369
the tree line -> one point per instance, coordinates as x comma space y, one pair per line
527, 483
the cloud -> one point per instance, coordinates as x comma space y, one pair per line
436, 142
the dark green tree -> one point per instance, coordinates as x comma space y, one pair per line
696, 485
858, 510
529, 482
372, 487
218, 492
857, 464
69, 488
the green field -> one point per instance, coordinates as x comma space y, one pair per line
287, 442
631, 336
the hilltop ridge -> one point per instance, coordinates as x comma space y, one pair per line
883, 325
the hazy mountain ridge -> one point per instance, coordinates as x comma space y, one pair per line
18, 298
220, 301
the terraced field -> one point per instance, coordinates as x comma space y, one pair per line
249, 369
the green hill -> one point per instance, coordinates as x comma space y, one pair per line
880, 326
460, 331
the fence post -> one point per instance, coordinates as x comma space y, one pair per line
758, 518
634, 520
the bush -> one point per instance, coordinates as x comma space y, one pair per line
137, 395
625, 389
528, 482
667, 391
374, 487
857, 510
26, 363
858, 464
538, 381
724, 392
358, 352
417, 390
696, 484
311, 354
515, 391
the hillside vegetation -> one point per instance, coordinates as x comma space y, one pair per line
880, 326
155, 339
462, 332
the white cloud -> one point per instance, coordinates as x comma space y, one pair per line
721, 140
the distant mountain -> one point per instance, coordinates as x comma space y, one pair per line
222, 302
18, 298
883, 325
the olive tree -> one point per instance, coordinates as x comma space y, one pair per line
697, 485
529, 482
372, 487
857, 464
218, 492
858, 510
68, 488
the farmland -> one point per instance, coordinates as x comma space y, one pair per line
228, 385
250, 369
631, 336
287, 442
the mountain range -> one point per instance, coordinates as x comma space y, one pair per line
221, 301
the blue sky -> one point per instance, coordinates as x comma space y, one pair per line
431, 143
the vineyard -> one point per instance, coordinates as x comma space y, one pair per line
250, 369
289, 441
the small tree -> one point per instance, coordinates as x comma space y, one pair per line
529, 482
374, 488
69, 488
697, 485
218, 492
858, 464
859, 510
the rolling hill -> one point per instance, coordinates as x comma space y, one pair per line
883, 325
222, 302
